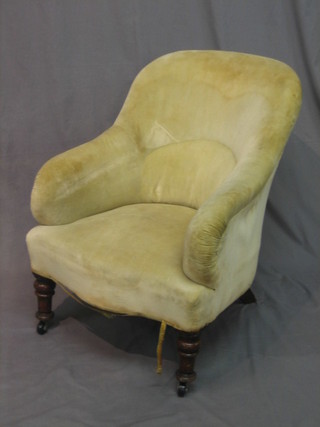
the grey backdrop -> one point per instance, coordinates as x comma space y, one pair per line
65, 70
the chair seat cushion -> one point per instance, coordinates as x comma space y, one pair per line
127, 260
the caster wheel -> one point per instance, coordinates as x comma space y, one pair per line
42, 328
182, 389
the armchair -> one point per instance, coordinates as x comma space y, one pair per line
161, 215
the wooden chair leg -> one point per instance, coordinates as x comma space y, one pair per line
188, 348
248, 297
44, 290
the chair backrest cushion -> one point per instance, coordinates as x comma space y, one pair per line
187, 109
186, 172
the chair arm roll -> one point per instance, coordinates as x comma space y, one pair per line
223, 239
94, 177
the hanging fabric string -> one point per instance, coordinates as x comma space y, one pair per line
159, 346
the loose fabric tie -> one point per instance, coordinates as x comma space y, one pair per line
159, 346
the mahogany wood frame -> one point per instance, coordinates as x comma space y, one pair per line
44, 290
188, 348
248, 297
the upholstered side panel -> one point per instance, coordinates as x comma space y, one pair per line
232, 265
222, 254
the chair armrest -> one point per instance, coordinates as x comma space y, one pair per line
223, 239
94, 177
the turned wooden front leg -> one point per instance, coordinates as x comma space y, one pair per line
44, 290
188, 348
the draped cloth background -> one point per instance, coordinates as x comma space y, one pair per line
65, 70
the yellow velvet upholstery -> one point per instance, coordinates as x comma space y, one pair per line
161, 215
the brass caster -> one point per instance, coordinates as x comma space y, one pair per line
42, 327
182, 389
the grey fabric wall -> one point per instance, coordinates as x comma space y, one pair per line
65, 70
